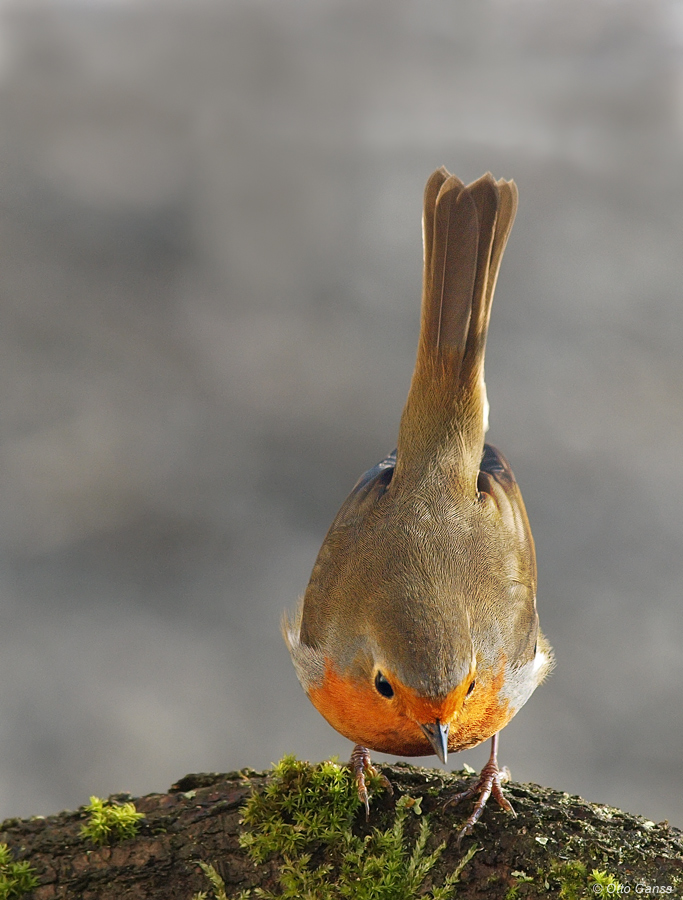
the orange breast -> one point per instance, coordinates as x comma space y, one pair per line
482, 715
393, 726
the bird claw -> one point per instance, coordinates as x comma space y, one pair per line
361, 764
490, 781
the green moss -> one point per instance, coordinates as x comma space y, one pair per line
520, 878
604, 884
217, 884
566, 880
110, 822
573, 879
305, 820
16, 878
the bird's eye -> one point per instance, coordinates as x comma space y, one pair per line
471, 687
383, 686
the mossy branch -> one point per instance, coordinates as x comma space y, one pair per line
299, 831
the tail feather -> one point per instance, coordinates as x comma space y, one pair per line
485, 195
449, 279
431, 193
465, 233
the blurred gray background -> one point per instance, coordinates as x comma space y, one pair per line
210, 270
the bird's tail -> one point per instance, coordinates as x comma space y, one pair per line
465, 230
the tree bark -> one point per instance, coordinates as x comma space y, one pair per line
199, 820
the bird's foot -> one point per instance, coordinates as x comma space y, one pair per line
490, 781
361, 765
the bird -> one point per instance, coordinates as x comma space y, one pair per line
418, 632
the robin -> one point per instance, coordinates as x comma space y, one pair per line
418, 631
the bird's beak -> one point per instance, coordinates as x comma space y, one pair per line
438, 738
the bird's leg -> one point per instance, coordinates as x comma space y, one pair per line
360, 763
490, 781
